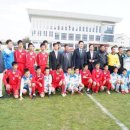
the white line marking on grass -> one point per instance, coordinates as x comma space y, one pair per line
104, 110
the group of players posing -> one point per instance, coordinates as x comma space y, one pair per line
73, 82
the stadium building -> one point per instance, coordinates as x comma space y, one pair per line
68, 27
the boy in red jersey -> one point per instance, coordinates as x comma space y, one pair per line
106, 78
42, 57
14, 79
86, 77
20, 57
97, 78
31, 59
58, 80
38, 82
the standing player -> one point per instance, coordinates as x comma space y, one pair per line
58, 80
14, 79
86, 77
69, 81
97, 78
26, 84
116, 80
31, 59
42, 57
124, 82
106, 78
38, 82
78, 85
20, 57
48, 82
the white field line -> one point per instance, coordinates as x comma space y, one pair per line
104, 110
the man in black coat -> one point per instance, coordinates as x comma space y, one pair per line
92, 58
102, 56
79, 56
121, 56
55, 57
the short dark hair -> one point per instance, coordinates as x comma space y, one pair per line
9, 40
26, 70
38, 67
47, 68
90, 45
113, 47
76, 68
58, 67
124, 69
42, 44
0, 42
85, 65
101, 46
30, 44
66, 45
127, 50
19, 41
105, 65
120, 47
97, 63
55, 44
115, 68
14, 63
81, 41
59, 43
45, 41
69, 67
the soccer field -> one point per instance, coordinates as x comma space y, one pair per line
69, 113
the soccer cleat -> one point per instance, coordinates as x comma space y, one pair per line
63, 94
108, 92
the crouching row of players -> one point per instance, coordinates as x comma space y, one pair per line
50, 81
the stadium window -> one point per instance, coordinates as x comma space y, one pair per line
63, 36
79, 28
97, 38
86, 29
99, 29
50, 34
90, 29
78, 37
84, 37
83, 29
108, 38
93, 29
72, 28
62, 28
57, 36
58, 28
91, 37
65, 28
71, 37
96, 29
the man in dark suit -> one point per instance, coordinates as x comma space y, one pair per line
54, 57
121, 56
66, 58
92, 58
79, 56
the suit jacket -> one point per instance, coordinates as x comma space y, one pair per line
95, 58
53, 61
79, 60
66, 60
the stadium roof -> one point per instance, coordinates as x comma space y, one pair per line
71, 15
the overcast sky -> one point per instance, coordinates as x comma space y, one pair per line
14, 21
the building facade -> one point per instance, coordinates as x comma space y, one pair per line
69, 28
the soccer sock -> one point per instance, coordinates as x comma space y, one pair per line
30, 91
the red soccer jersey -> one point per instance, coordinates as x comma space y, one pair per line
38, 79
56, 78
42, 59
14, 77
97, 75
106, 75
30, 59
85, 75
20, 56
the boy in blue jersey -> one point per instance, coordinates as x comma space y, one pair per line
116, 80
124, 82
69, 80
78, 85
8, 55
26, 85
48, 82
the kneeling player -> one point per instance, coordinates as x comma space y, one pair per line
116, 80
26, 84
106, 78
86, 77
97, 79
69, 80
12, 79
38, 82
58, 80
78, 85
48, 82
124, 82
